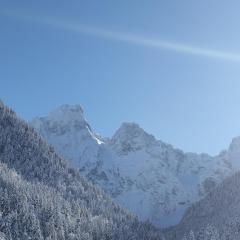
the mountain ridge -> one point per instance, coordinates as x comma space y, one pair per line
147, 176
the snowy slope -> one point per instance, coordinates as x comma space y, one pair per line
147, 176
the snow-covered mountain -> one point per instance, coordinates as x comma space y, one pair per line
147, 176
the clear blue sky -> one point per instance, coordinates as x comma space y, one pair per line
171, 66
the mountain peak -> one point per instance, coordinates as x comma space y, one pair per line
72, 108
67, 113
66, 118
131, 129
129, 126
131, 137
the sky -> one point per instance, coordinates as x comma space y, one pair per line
173, 66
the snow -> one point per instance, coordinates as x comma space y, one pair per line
147, 176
